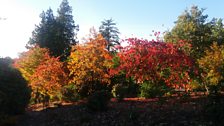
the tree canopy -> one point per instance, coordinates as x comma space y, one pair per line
213, 65
193, 27
58, 33
14, 91
155, 61
44, 73
89, 63
110, 32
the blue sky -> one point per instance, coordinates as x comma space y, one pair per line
133, 17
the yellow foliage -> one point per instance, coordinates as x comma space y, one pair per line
90, 62
30, 60
213, 64
49, 77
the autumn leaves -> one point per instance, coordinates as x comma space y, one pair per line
155, 61
90, 62
47, 75
44, 73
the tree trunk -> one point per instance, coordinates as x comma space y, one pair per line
207, 91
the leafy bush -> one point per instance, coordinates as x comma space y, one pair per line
69, 93
94, 62
131, 88
89, 87
118, 91
98, 101
14, 92
197, 85
212, 64
149, 89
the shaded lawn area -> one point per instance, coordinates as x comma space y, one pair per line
175, 111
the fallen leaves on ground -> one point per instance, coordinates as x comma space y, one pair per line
130, 112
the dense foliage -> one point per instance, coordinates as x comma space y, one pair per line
49, 77
14, 91
212, 65
193, 27
110, 32
55, 67
89, 64
119, 91
155, 61
98, 101
28, 61
44, 73
58, 33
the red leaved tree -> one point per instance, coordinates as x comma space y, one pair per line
155, 61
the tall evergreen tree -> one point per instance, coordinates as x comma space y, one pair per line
67, 30
110, 32
193, 27
217, 31
43, 33
58, 33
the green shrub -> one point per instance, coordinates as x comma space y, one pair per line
69, 93
150, 89
98, 101
14, 92
86, 89
197, 85
119, 91
132, 89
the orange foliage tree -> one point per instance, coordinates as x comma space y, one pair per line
89, 63
49, 77
44, 73
28, 61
